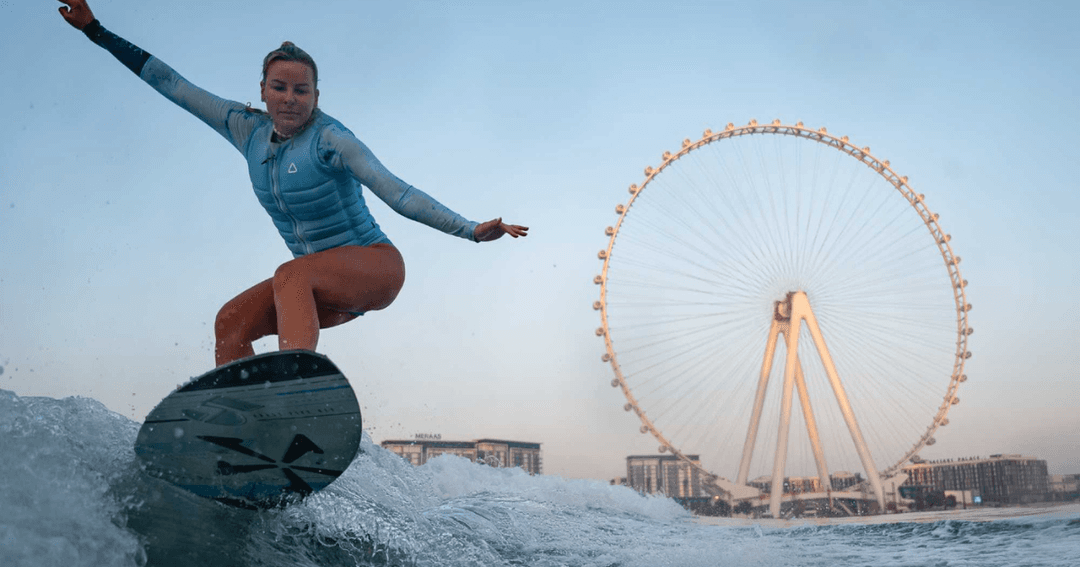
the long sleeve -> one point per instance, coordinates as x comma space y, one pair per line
233, 120
339, 150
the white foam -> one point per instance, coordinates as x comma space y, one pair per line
57, 458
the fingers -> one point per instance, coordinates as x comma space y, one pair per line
515, 230
76, 13
69, 7
495, 228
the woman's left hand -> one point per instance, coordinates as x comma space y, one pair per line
494, 229
77, 13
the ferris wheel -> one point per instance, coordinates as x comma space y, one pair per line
768, 280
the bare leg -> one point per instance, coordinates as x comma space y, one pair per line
309, 293
245, 319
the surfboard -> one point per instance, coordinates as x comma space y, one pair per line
255, 433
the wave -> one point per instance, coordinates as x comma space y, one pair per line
72, 493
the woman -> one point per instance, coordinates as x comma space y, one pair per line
306, 169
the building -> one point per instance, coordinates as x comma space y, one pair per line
665, 474
519, 454
493, 452
418, 451
1064, 486
1002, 479
675, 478
840, 480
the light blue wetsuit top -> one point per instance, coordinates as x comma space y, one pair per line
311, 183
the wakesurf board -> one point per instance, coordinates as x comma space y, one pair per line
257, 432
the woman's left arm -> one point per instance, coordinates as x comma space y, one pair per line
230, 119
340, 149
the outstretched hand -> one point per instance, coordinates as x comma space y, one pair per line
77, 13
494, 229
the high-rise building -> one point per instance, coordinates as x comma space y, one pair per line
493, 452
665, 474
1006, 479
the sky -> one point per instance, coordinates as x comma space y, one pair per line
125, 223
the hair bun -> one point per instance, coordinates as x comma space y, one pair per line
290, 52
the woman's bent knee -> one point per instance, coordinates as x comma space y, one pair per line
288, 274
223, 323
247, 317
228, 325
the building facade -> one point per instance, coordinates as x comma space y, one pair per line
664, 474
1064, 487
839, 480
1004, 479
492, 452
499, 453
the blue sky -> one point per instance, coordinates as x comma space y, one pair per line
126, 223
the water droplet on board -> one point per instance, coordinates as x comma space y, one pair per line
178, 432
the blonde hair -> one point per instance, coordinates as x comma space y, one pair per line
290, 52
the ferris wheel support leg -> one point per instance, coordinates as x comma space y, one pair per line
811, 428
800, 309
776, 489
759, 402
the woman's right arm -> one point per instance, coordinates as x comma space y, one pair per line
228, 118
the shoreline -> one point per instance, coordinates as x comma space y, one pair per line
1051, 510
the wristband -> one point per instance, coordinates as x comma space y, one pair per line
131, 56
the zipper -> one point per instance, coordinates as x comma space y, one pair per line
275, 190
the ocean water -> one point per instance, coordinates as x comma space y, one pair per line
72, 494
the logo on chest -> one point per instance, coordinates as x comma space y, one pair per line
292, 168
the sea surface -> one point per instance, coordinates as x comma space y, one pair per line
72, 494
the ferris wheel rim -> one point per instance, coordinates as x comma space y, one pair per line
884, 169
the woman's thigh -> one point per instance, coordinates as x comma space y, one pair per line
347, 279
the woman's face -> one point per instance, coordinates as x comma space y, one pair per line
290, 95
